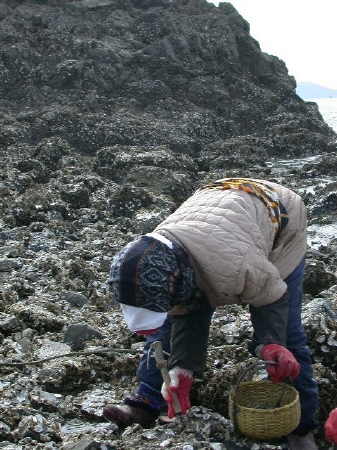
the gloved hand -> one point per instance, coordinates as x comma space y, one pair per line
286, 363
331, 427
181, 382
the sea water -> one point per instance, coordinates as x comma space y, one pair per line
321, 235
317, 234
328, 108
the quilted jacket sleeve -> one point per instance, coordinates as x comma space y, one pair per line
259, 282
189, 338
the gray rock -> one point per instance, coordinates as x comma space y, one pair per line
78, 334
9, 323
5, 265
74, 298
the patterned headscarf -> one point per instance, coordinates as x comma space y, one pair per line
149, 274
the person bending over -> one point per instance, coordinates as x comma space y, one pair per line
233, 241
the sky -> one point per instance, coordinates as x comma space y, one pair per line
303, 33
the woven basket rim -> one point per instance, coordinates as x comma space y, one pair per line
248, 384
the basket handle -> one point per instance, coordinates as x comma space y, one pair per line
241, 377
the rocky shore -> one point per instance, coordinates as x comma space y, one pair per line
111, 114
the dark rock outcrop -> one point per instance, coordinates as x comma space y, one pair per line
180, 73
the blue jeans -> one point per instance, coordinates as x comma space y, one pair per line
296, 343
147, 370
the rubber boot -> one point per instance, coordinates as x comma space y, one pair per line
127, 415
306, 442
143, 408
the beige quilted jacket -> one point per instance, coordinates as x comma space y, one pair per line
229, 236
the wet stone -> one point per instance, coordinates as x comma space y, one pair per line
9, 323
74, 298
78, 334
5, 265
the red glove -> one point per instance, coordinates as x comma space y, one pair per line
286, 363
331, 427
181, 382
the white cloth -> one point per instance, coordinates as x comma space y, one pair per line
140, 319
161, 238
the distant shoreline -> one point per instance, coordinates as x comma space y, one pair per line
314, 91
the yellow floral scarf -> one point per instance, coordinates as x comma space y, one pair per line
264, 192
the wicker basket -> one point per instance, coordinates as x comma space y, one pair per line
262, 409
